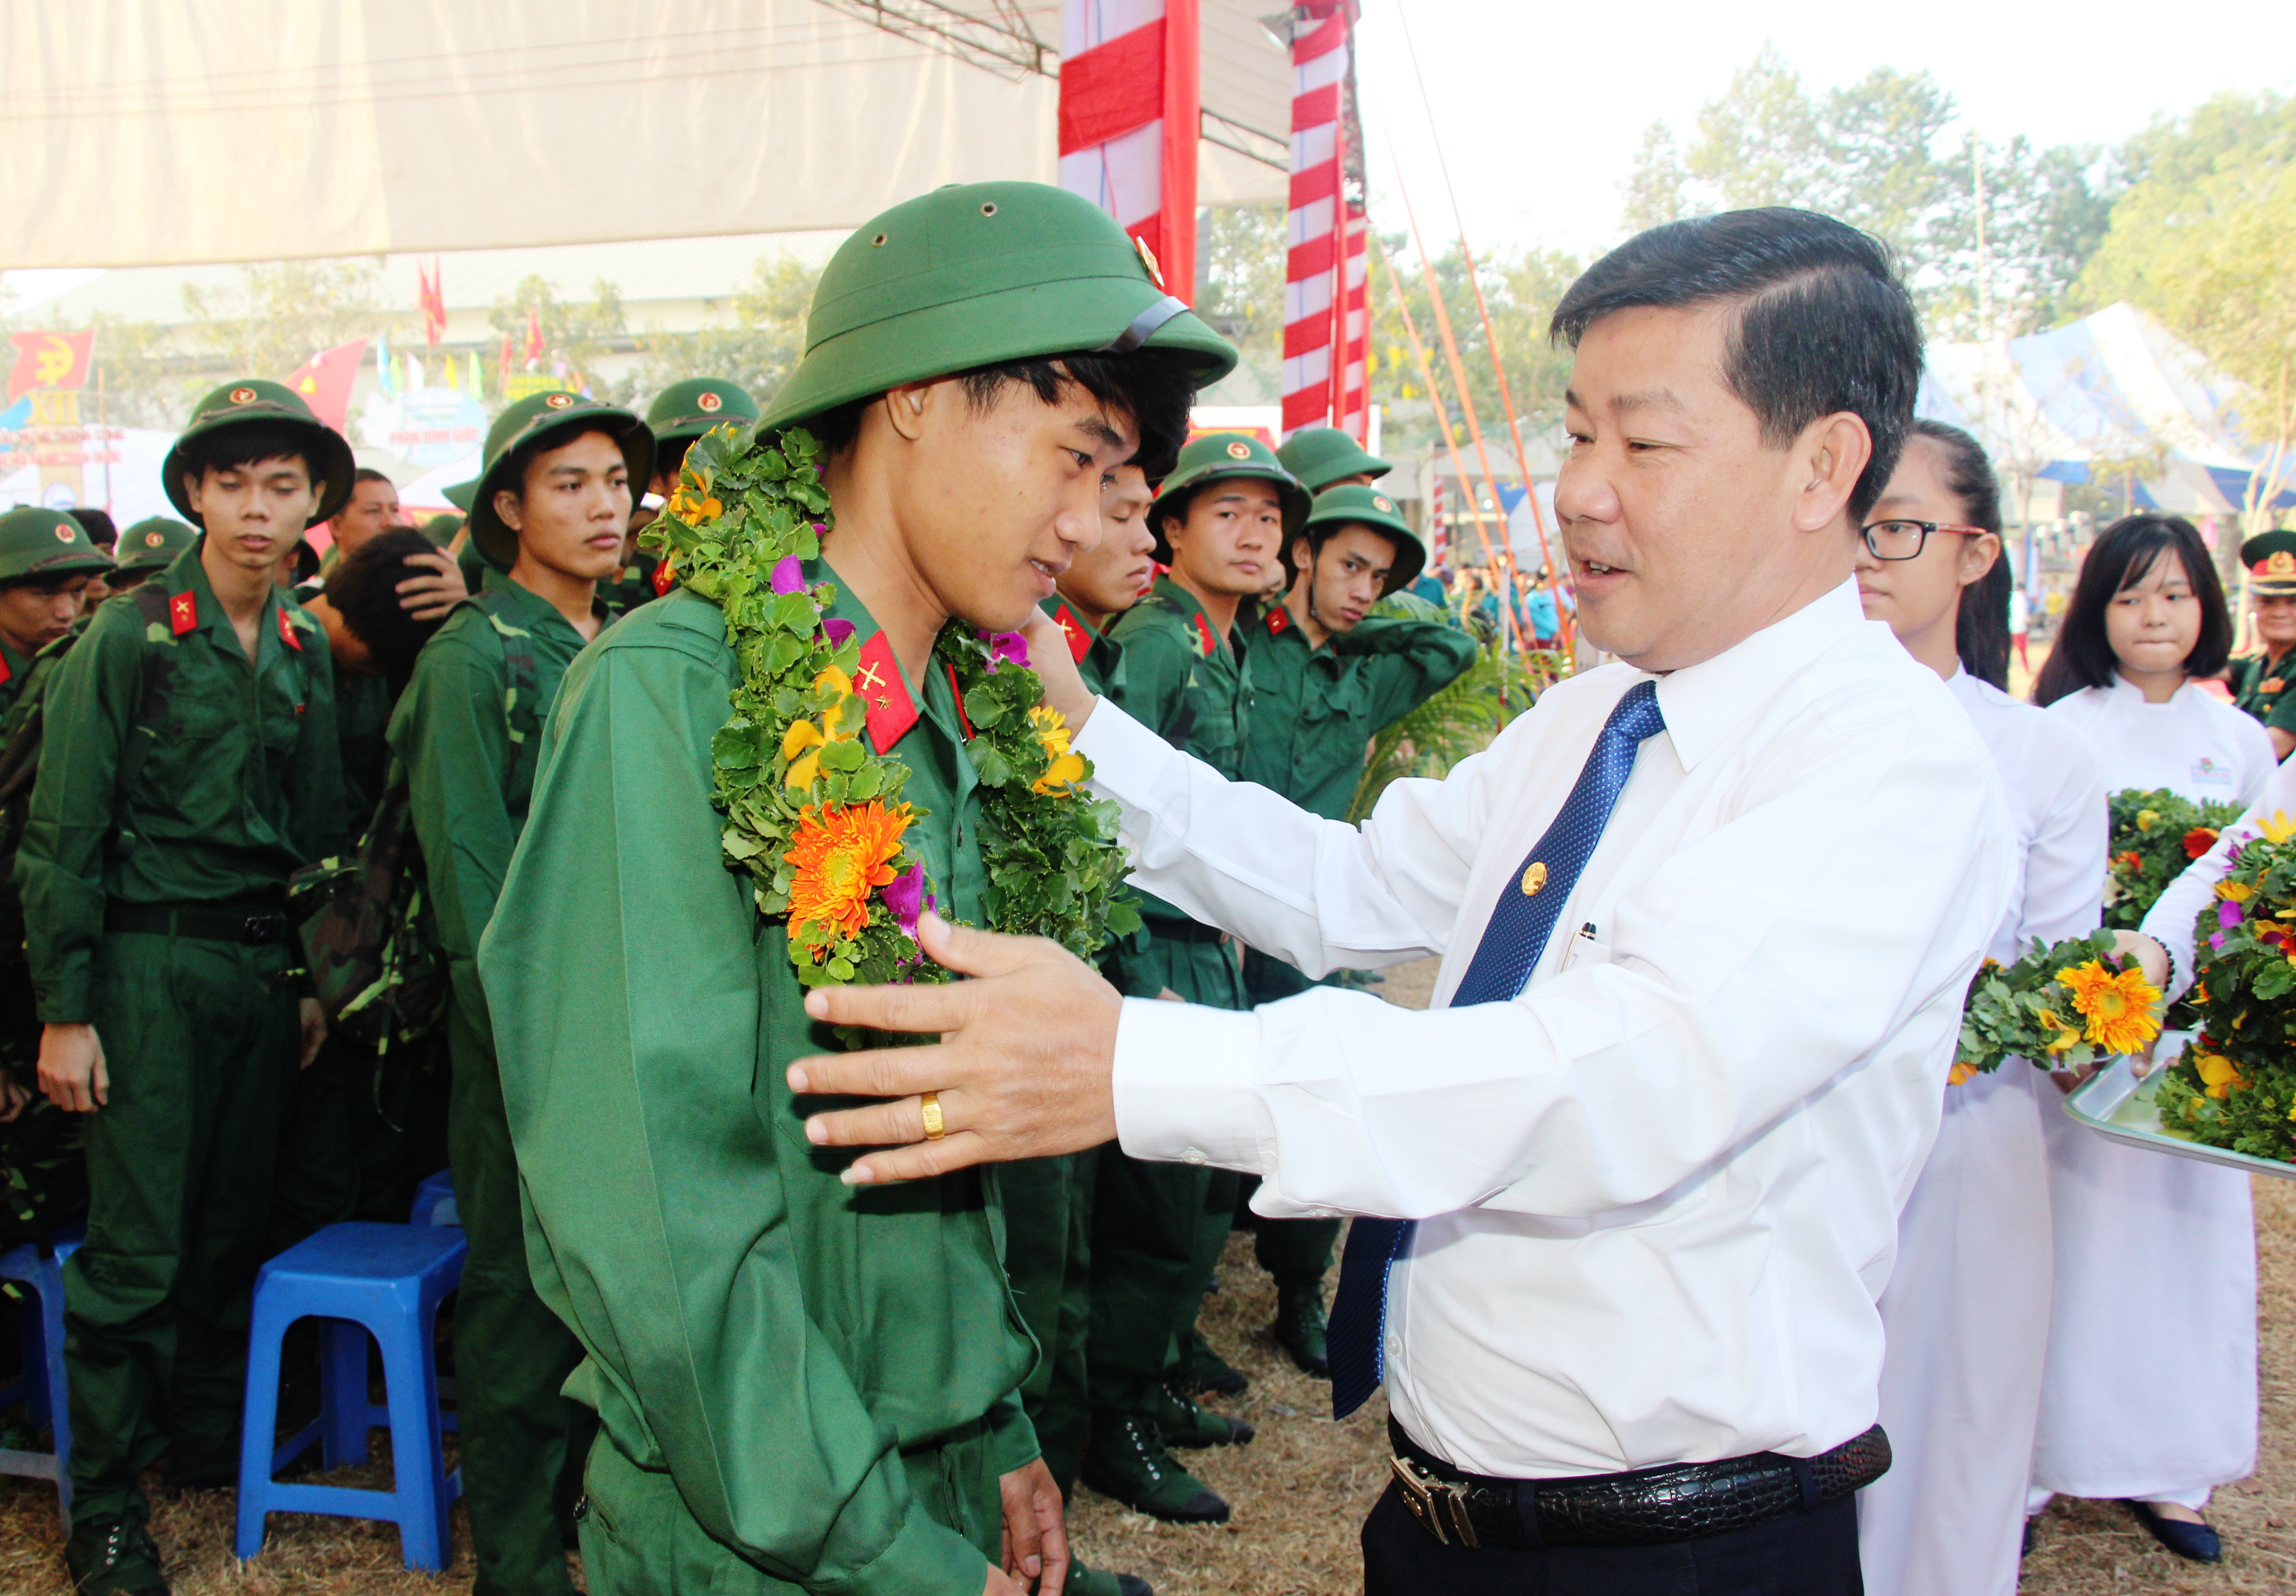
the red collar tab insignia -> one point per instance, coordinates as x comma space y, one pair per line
665, 576
709, 401
7, 674
1278, 619
287, 631
182, 614
1204, 634
877, 678
1076, 632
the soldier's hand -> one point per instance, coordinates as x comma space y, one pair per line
1050, 658
1023, 1067
314, 1020
1036, 1540
429, 597
71, 1068
15, 1099
998, 1585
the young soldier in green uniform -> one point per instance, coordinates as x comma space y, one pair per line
149, 547
1326, 677
549, 510
679, 413
805, 1385
2260, 681
46, 561
1219, 522
189, 765
1048, 1201
1324, 457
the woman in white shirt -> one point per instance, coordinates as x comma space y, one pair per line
1966, 1311
2152, 1252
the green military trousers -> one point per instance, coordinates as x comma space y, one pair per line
317, 1181
639, 1539
1048, 1206
1294, 1251
522, 1442
200, 1042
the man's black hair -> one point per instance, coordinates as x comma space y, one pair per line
101, 528
1156, 387
368, 474
670, 456
2122, 556
49, 584
1980, 627
524, 455
1823, 325
251, 443
1323, 532
364, 590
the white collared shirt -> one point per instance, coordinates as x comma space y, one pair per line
2057, 818
1659, 1190
2196, 744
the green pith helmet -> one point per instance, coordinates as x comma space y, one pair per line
1321, 455
1210, 458
441, 528
684, 411
541, 415
251, 400
44, 545
1353, 504
2271, 561
151, 545
460, 494
977, 273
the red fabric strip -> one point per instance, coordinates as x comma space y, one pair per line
1113, 88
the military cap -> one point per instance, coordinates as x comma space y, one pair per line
536, 418
253, 399
979, 273
1353, 504
460, 494
39, 545
2271, 561
684, 411
152, 545
1321, 455
1217, 456
441, 528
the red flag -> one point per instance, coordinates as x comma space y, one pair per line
534, 347
324, 382
878, 680
50, 360
431, 299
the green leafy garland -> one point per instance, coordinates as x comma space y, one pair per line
2154, 835
2234, 1087
813, 815
2064, 1005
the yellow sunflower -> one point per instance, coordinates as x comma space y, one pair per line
2277, 829
1052, 729
2117, 1005
842, 855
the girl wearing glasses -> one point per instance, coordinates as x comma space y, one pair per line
1967, 1307
2152, 1252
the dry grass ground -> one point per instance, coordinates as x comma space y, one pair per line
1300, 1490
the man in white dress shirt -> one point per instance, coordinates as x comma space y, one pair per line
1706, 992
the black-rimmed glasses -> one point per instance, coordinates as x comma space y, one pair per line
1905, 539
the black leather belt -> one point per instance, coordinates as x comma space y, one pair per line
254, 923
1649, 1507
1183, 931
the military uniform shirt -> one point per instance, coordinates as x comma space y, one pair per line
2260, 685
1099, 657
15, 670
1316, 710
240, 780
771, 1337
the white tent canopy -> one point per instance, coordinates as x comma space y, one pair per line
149, 133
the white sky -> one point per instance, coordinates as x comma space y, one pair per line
1541, 107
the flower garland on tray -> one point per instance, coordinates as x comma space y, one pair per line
2235, 1085
2063, 1007
814, 814
2154, 835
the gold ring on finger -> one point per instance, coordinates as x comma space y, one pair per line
935, 1128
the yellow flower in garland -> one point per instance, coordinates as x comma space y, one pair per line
1052, 729
842, 856
1067, 768
2235, 891
2068, 1037
2148, 818
2277, 829
693, 510
803, 735
2220, 1074
2118, 1005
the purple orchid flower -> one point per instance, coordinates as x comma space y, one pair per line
789, 575
2217, 941
906, 897
836, 632
2228, 915
1006, 649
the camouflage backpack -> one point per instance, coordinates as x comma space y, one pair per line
369, 935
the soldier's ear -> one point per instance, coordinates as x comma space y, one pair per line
509, 508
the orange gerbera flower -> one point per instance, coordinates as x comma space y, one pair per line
842, 855
2118, 1005
2199, 841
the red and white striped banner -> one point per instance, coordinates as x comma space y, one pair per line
1324, 277
1130, 110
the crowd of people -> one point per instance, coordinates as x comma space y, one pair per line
694, 1335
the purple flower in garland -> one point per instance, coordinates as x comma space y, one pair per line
906, 897
789, 575
1006, 649
836, 632
2228, 915
2217, 941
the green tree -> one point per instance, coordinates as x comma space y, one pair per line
1241, 259
758, 349
575, 331
281, 313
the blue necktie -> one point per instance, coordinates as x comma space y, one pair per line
1517, 935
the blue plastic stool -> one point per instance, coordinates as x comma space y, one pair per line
434, 1201
363, 1279
41, 1386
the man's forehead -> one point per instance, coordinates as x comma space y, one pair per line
1246, 488
1651, 357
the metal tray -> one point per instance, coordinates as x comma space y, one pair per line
2119, 1107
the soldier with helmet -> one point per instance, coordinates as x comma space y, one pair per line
2260, 681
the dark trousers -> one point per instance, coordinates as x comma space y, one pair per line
1048, 1257
1807, 1554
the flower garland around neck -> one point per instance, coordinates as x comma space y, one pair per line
813, 814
